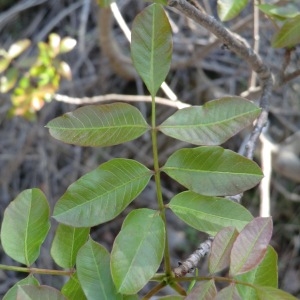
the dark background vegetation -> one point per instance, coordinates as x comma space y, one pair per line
30, 157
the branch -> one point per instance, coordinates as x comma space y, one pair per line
191, 263
118, 97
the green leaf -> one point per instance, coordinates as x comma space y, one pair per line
17, 48
8, 81
31, 292
151, 46
138, 250
99, 125
280, 13
104, 3
66, 243
93, 272
213, 123
288, 35
265, 274
4, 63
250, 246
72, 289
219, 258
212, 171
209, 214
204, 290
100, 195
228, 9
229, 293
12, 292
269, 293
25, 226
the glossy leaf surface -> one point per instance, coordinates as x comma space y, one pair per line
265, 274
209, 214
12, 292
31, 292
25, 226
72, 289
213, 171
213, 123
251, 245
228, 9
66, 243
288, 35
99, 125
219, 258
151, 46
102, 194
93, 272
204, 290
138, 250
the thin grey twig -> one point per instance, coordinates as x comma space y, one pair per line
189, 264
117, 97
83, 24
45, 31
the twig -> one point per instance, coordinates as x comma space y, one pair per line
56, 20
113, 97
9, 14
286, 194
189, 264
83, 23
267, 147
256, 38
